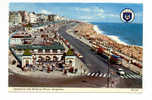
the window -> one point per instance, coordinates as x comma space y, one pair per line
54, 51
62, 51
40, 51
47, 50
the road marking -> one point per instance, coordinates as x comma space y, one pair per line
88, 74
132, 76
129, 76
140, 77
137, 76
101, 75
125, 76
105, 75
96, 74
93, 74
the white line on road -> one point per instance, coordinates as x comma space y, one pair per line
105, 75
125, 77
93, 74
137, 76
101, 75
88, 74
97, 74
132, 76
129, 76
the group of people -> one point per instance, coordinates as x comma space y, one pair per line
49, 68
44, 67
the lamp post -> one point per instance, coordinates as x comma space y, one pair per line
108, 79
129, 61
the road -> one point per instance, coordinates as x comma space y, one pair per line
93, 63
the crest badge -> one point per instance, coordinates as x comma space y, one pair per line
127, 15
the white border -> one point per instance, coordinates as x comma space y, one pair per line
77, 96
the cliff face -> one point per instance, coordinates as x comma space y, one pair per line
86, 30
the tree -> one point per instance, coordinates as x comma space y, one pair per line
70, 52
27, 52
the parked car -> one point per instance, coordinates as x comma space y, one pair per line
100, 50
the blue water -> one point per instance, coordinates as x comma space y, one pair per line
129, 33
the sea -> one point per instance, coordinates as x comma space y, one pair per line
125, 33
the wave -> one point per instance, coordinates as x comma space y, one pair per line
117, 39
113, 37
96, 28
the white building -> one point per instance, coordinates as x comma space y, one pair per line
33, 18
70, 59
43, 18
15, 41
26, 17
15, 18
56, 18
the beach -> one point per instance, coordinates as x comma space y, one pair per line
91, 32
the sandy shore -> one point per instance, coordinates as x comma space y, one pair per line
87, 30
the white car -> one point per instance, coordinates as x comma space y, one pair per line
120, 71
80, 56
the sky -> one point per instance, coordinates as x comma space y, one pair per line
87, 12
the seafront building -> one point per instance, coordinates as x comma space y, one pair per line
19, 38
15, 18
33, 17
39, 54
24, 17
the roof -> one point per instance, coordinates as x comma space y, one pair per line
54, 46
21, 35
115, 56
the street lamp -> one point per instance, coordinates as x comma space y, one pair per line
108, 78
129, 61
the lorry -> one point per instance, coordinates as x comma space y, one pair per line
115, 59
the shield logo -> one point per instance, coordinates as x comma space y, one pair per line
127, 16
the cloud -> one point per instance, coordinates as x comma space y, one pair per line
45, 12
86, 17
83, 9
112, 15
90, 9
98, 10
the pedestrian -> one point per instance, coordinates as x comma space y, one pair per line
65, 72
48, 69
112, 83
53, 67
